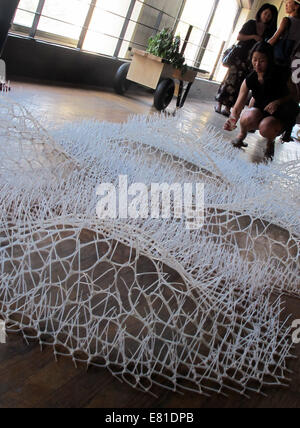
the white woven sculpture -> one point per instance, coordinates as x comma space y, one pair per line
148, 299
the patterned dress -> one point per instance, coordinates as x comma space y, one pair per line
230, 88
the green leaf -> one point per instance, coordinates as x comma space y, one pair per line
165, 45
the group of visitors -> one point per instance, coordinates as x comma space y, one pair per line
261, 76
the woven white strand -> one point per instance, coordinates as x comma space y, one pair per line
147, 299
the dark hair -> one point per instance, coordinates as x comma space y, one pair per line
266, 49
272, 25
298, 11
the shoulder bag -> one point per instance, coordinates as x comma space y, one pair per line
231, 55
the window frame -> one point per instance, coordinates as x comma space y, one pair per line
51, 38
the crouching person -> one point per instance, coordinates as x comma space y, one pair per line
274, 109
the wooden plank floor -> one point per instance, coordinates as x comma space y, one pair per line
31, 378
56, 105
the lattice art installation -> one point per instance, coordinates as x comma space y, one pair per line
153, 302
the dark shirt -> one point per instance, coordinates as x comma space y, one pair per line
293, 33
250, 29
274, 87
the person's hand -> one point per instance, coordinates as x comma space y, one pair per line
230, 124
258, 38
272, 107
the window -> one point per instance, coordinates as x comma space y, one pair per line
63, 18
106, 25
219, 34
110, 27
192, 17
132, 24
25, 14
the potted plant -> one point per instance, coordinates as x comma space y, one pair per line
158, 67
167, 46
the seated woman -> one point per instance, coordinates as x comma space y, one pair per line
273, 109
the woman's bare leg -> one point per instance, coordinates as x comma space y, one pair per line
250, 120
270, 128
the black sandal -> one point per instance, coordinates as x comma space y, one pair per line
270, 151
239, 144
225, 113
286, 137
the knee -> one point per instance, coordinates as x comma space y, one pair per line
264, 130
269, 129
250, 120
246, 121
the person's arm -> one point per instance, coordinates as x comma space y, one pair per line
243, 38
249, 32
274, 105
238, 107
282, 28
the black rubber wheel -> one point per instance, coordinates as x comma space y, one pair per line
121, 84
164, 94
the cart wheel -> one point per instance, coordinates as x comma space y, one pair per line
164, 94
121, 84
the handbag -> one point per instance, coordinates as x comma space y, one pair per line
231, 55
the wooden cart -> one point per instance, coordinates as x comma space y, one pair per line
156, 73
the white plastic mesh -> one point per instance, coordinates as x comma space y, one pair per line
147, 299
